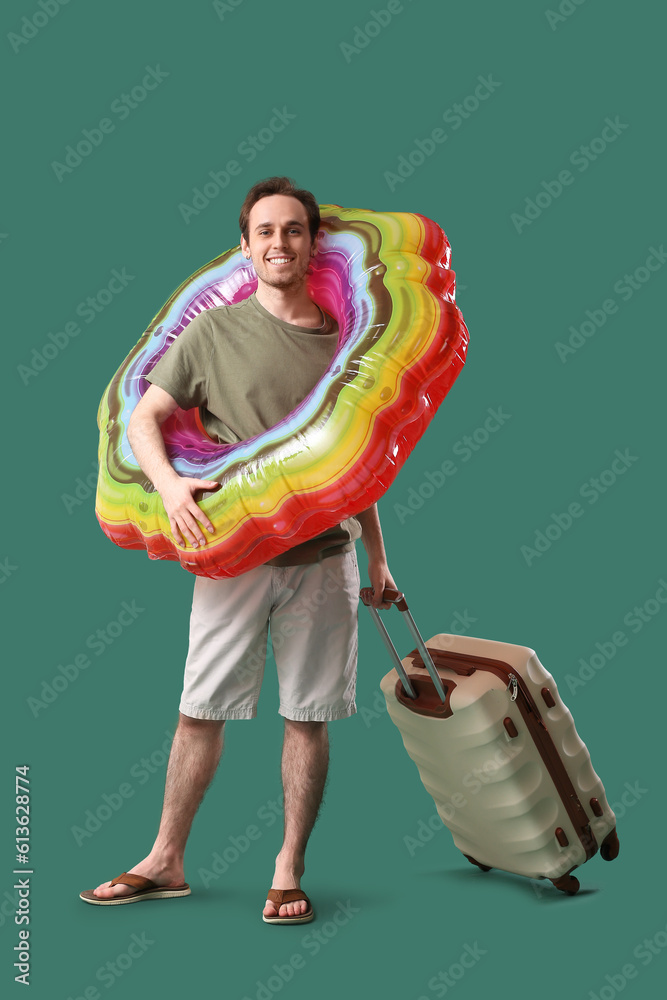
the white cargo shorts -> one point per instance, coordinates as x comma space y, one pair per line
311, 614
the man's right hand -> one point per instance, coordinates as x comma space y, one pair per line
177, 492
184, 513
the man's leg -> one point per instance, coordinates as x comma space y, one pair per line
194, 757
314, 636
305, 761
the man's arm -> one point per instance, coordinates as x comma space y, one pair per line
177, 492
378, 570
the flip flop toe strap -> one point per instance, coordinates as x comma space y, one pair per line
137, 881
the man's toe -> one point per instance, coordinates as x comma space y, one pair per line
294, 908
107, 891
104, 890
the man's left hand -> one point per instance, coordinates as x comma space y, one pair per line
381, 578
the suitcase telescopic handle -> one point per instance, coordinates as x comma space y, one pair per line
397, 598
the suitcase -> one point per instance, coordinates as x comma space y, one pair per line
498, 750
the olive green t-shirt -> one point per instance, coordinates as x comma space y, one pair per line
246, 370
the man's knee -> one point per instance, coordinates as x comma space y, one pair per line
306, 729
186, 723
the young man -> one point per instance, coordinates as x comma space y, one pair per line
246, 366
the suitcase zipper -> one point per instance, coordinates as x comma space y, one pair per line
466, 664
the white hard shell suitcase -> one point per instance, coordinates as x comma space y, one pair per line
498, 750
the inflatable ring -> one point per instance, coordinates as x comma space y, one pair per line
386, 279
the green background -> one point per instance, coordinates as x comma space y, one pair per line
460, 552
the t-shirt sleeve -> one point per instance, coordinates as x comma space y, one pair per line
183, 370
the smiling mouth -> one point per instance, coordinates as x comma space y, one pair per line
276, 261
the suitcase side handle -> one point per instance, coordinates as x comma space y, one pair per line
397, 598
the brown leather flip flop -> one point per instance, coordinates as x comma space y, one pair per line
145, 889
280, 896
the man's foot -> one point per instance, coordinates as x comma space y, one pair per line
287, 876
283, 900
163, 875
143, 888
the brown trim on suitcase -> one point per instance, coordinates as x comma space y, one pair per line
428, 701
466, 664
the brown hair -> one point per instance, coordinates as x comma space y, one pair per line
280, 185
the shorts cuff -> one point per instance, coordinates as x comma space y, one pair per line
316, 715
218, 715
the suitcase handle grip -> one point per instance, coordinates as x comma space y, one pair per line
389, 596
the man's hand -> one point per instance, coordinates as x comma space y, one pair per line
177, 492
380, 578
185, 515
378, 571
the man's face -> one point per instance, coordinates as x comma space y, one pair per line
279, 241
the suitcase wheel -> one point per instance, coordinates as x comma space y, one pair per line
567, 883
610, 846
485, 868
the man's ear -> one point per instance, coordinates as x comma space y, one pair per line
245, 247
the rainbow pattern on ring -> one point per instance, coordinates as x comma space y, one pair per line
386, 278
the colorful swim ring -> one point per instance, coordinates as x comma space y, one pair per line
386, 279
